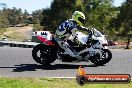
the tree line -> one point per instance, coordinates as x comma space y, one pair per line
13, 17
101, 14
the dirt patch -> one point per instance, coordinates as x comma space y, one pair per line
18, 33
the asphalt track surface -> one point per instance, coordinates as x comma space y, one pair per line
18, 62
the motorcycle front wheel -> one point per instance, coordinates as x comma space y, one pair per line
43, 54
105, 58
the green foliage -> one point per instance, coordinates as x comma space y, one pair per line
20, 83
3, 21
59, 11
25, 17
37, 27
2, 30
126, 11
13, 16
46, 20
98, 13
53, 83
37, 16
123, 22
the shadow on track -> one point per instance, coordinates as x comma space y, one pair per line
34, 67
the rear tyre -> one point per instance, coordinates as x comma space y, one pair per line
105, 58
44, 54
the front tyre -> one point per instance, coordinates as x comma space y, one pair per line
43, 54
105, 58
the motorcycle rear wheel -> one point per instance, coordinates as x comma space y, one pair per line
46, 54
105, 58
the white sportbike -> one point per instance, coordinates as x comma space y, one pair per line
95, 49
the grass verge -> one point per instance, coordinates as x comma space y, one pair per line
52, 83
17, 33
2, 30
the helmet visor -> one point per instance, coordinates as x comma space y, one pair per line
81, 20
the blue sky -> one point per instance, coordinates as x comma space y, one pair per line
31, 5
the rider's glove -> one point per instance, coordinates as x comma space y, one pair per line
83, 28
86, 29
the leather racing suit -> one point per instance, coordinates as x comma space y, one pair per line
64, 31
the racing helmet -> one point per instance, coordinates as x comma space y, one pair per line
79, 17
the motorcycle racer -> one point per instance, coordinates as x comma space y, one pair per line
68, 28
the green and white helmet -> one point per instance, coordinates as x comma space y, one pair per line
79, 17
